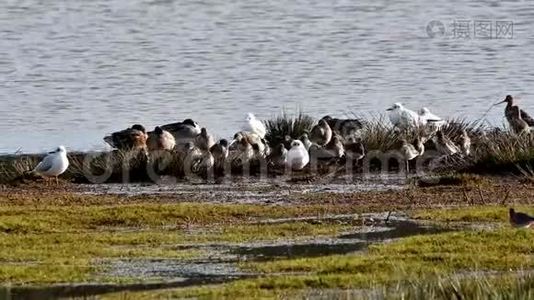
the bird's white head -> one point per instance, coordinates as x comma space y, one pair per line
250, 117
296, 144
395, 106
423, 111
61, 149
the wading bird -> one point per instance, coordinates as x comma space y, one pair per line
518, 219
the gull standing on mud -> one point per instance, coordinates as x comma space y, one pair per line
160, 139
54, 164
321, 133
401, 117
297, 156
254, 125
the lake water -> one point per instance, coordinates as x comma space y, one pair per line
72, 71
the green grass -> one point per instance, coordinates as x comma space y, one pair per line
43, 243
409, 259
469, 214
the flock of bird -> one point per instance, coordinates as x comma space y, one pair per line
330, 139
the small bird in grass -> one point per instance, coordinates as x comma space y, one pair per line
204, 141
354, 150
465, 143
518, 219
444, 145
321, 133
54, 164
510, 113
254, 125
160, 139
297, 156
134, 137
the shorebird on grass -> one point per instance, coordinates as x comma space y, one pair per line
518, 219
518, 125
54, 164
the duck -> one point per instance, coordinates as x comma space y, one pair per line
160, 139
220, 154
251, 138
335, 147
354, 150
510, 113
204, 141
53, 164
242, 154
297, 156
131, 138
252, 124
321, 134
344, 127
197, 161
402, 117
522, 220
183, 132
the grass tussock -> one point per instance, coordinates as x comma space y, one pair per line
286, 125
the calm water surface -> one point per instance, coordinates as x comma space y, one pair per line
72, 71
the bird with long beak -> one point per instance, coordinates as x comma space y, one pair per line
511, 114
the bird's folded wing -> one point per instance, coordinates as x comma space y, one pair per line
45, 164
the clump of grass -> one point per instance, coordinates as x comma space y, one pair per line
286, 125
500, 152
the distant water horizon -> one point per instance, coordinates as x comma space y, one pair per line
73, 71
